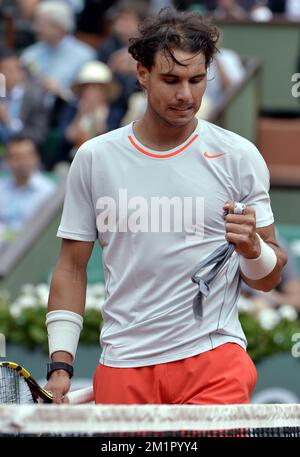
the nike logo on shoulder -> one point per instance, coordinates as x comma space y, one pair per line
213, 156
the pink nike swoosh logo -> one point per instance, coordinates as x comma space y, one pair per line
213, 156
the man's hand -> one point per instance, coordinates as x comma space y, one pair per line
59, 385
241, 231
55, 88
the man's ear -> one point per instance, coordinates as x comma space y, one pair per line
142, 75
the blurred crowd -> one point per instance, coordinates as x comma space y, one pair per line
257, 10
66, 76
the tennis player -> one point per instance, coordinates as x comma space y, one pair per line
153, 194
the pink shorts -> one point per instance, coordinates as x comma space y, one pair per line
224, 375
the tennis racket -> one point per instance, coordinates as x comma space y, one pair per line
18, 386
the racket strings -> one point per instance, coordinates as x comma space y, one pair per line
13, 388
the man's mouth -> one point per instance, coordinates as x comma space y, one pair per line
180, 108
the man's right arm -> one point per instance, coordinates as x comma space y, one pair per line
68, 293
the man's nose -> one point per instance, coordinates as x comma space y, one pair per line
184, 92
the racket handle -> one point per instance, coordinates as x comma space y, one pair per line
81, 396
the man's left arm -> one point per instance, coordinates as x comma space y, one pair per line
257, 254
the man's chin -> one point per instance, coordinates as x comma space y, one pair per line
181, 122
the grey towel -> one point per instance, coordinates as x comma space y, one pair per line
218, 258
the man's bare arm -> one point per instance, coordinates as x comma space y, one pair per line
69, 280
68, 293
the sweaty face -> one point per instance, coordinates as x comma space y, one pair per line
174, 91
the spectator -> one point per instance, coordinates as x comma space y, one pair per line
20, 12
261, 12
24, 189
95, 90
75, 5
229, 9
22, 110
156, 5
210, 5
292, 10
92, 19
57, 57
247, 5
225, 71
125, 17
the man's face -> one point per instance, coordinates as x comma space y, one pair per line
22, 158
94, 94
125, 25
175, 92
46, 29
12, 70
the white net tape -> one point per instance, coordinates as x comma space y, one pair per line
134, 418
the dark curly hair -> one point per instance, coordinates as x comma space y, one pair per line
171, 29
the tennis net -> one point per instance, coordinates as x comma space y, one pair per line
151, 420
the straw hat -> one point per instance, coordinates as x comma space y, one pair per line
95, 72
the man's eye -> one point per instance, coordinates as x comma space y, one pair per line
170, 81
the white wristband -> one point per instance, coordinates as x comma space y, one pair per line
64, 329
262, 266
